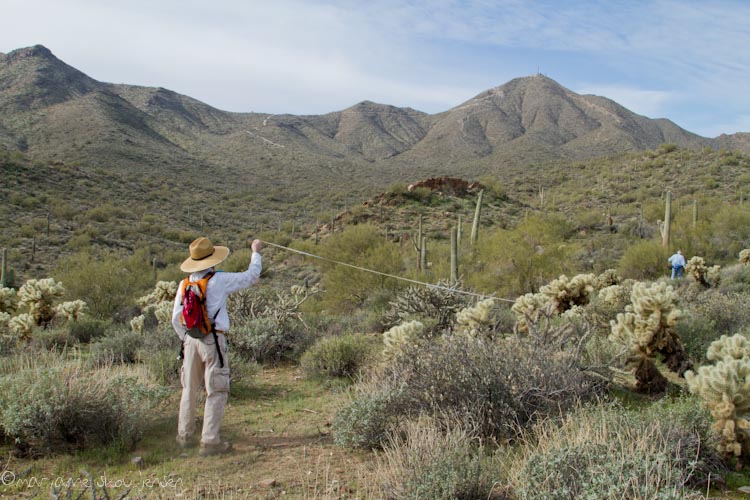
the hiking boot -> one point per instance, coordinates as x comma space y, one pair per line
184, 442
206, 450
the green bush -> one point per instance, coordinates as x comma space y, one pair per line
499, 387
46, 339
87, 329
266, 340
370, 418
59, 406
107, 282
363, 245
608, 453
644, 260
342, 356
430, 463
120, 346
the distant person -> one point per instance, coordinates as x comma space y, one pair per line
678, 264
205, 345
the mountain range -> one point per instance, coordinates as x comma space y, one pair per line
56, 113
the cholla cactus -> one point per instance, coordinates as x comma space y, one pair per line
136, 324
4, 320
159, 302
725, 390
164, 291
574, 313
473, 320
567, 292
399, 336
528, 309
71, 311
706, 276
606, 279
729, 348
617, 296
8, 300
22, 325
163, 313
648, 327
745, 257
38, 297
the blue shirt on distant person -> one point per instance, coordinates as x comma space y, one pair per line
678, 264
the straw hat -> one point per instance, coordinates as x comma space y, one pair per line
203, 255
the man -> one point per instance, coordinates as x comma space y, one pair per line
678, 264
205, 359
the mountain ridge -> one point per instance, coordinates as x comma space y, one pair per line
56, 112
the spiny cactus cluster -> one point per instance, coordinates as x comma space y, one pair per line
38, 297
71, 311
478, 319
566, 292
560, 295
399, 336
648, 327
159, 303
436, 306
745, 256
617, 295
606, 279
22, 325
725, 389
528, 309
8, 300
706, 276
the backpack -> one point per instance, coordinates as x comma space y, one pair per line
194, 314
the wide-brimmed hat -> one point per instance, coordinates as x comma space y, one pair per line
203, 254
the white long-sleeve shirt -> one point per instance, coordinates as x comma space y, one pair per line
677, 260
218, 289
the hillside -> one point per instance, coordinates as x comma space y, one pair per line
54, 111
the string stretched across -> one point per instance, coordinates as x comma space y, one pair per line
380, 273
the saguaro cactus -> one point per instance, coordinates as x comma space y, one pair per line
667, 219
417, 241
454, 254
475, 225
4, 270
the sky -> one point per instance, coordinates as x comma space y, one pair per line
687, 60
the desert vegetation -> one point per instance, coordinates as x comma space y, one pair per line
550, 353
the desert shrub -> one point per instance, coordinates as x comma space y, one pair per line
105, 281
85, 330
520, 260
60, 405
363, 245
342, 356
643, 261
435, 308
710, 314
267, 325
497, 387
46, 339
120, 346
609, 453
266, 340
736, 279
373, 414
428, 462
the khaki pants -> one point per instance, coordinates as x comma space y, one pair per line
201, 366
